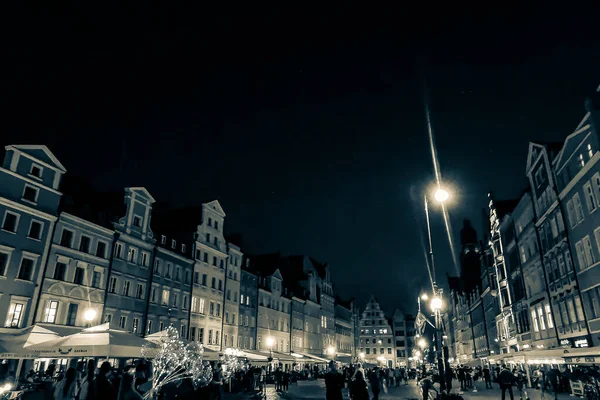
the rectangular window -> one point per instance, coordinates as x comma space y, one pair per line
218, 313
168, 267
35, 230
590, 198
187, 276
50, 311
145, 259
122, 322
201, 306
72, 314
4, 257
10, 222
136, 324
174, 299
549, 316
139, 293
213, 283
228, 294
201, 335
178, 274
205, 258
132, 255
553, 228
541, 318
571, 309
153, 294
112, 284
214, 261
66, 239
210, 333
36, 171
217, 225
578, 208
126, 286
184, 302
165, 297
149, 329
217, 336
101, 250
589, 253
13, 318
59, 271
161, 326
119, 250
163, 240
220, 285
78, 278
84, 244
173, 243
183, 331
211, 309
536, 327
157, 266
579, 309
30, 194
580, 255
26, 269
204, 278
137, 221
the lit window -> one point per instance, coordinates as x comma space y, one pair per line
50, 311
13, 319
590, 151
581, 160
165, 297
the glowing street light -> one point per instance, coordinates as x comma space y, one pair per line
441, 195
424, 297
422, 343
436, 303
362, 356
89, 315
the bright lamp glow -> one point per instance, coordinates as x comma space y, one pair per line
424, 297
362, 355
436, 303
270, 341
330, 350
422, 343
417, 354
90, 315
441, 195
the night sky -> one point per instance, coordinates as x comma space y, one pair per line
309, 130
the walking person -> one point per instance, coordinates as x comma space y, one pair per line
359, 387
487, 377
375, 383
87, 389
506, 379
520, 383
127, 390
67, 388
217, 382
334, 383
397, 376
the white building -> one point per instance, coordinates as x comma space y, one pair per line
376, 336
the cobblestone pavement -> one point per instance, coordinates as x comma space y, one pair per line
309, 390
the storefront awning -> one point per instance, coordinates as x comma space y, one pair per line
586, 355
14, 342
313, 358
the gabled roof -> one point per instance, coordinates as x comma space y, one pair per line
568, 145
143, 191
41, 152
552, 149
216, 207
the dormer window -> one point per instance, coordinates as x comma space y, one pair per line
137, 221
173, 244
163, 239
590, 151
30, 194
36, 171
182, 248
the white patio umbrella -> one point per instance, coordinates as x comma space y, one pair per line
13, 344
98, 341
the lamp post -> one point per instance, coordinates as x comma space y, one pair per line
89, 315
441, 196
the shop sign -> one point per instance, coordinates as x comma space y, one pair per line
581, 343
565, 342
580, 360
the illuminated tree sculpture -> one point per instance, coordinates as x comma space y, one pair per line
174, 360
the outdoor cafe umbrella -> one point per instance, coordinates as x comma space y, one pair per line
13, 344
98, 341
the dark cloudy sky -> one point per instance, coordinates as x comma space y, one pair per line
308, 129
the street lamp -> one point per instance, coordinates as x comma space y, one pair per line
436, 304
422, 343
89, 315
362, 356
441, 195
331, 352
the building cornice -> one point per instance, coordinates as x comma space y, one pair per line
27, 209
86, 222
30, 181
